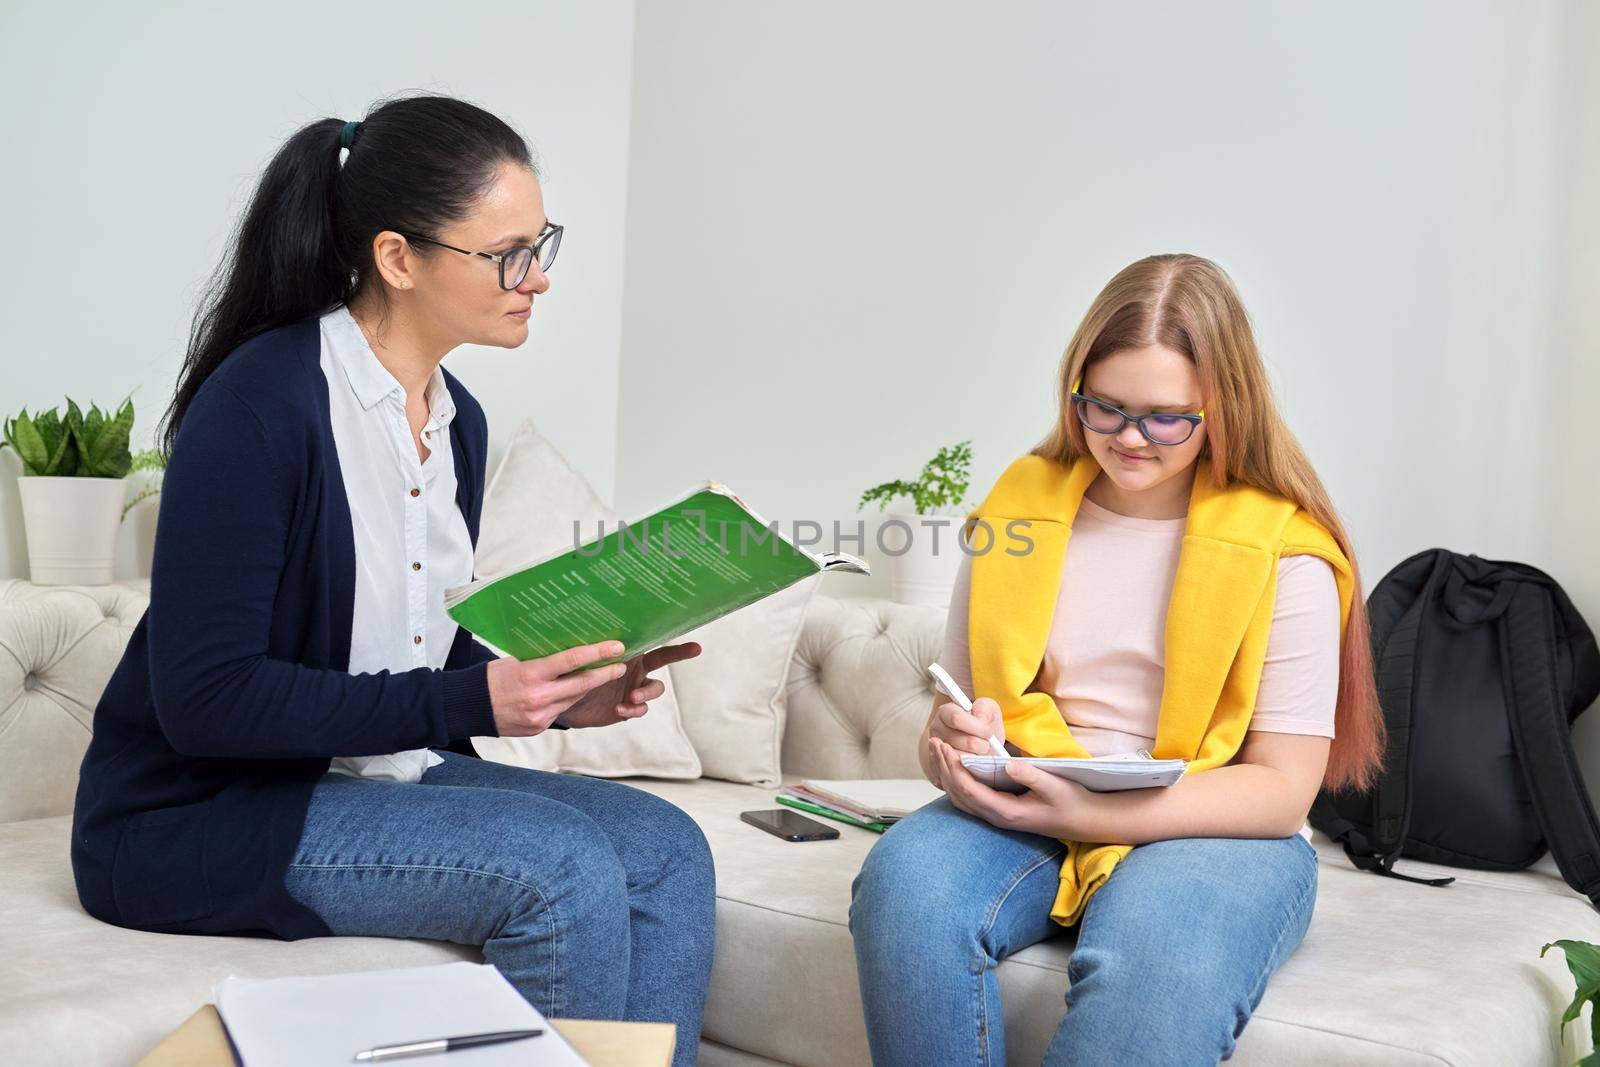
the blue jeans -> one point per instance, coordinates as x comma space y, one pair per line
1173, 951
595, 900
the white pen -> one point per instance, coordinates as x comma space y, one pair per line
948, 686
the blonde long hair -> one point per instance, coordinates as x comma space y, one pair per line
1190, 305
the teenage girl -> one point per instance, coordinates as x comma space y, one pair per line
1165, 573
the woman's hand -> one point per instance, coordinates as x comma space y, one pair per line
964, 731
528, 695
1051, 806
627, 695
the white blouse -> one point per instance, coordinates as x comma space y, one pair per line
411, 540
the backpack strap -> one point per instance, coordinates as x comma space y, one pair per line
1396, 672
1540, 727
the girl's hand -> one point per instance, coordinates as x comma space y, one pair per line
627, 695
964, 731
1053, 807
968, 731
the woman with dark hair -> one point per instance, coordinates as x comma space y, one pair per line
285, 746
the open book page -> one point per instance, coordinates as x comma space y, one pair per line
644, 583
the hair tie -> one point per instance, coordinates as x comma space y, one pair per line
347, 135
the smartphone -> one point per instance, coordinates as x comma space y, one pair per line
789, 825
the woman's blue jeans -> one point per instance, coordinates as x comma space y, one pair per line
1173, 951
596, 900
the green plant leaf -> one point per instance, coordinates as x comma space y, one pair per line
149, 459
22, 433
140, 497
884, 493
64, 455
1583, 960
104, 442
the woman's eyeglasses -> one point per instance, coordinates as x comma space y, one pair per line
515, 262
1158, 429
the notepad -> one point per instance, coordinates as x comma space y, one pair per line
324, 1020
1103, 774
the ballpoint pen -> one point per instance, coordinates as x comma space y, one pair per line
948, 686
443, 1044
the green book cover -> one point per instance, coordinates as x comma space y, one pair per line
838, 816
644, 583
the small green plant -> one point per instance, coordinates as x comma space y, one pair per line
942, 483
74, 445
148, 459
1583, 960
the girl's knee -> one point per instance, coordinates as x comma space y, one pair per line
1175, 1009
913, 884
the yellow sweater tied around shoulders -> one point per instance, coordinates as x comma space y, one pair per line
1216, 627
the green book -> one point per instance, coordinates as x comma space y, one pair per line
829, 813
644, 583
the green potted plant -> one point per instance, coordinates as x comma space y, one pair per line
1583, 960
72, 489
923, 543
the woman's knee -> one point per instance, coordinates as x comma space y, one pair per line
569, 869
663, 846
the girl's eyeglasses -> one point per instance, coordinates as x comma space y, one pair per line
1158, 429
515, 262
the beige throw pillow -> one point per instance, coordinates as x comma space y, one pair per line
528, 512
732, 696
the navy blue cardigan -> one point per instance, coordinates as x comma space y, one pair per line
233, 694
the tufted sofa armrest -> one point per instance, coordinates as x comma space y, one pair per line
58, 647
858, 688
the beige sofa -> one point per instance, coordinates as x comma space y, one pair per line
1389, 973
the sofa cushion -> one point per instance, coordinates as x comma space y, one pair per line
1389, 972
858, 688
732, 695
58, 646
78, 990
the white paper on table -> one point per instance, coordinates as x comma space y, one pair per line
324, 1020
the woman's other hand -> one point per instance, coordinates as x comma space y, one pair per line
628, 695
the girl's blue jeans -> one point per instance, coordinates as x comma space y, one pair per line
596, 900
1173, 952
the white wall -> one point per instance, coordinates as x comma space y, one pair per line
860, 231
856, 232
134, 138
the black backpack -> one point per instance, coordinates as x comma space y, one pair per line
1482, 666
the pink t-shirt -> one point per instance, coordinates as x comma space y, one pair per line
1105, 660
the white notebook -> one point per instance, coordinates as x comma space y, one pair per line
1103, 774
324, 1020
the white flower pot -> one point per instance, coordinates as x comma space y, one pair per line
925, 573
71, 525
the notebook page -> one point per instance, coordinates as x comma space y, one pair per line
324, 1020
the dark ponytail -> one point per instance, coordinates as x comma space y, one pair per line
304, 244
